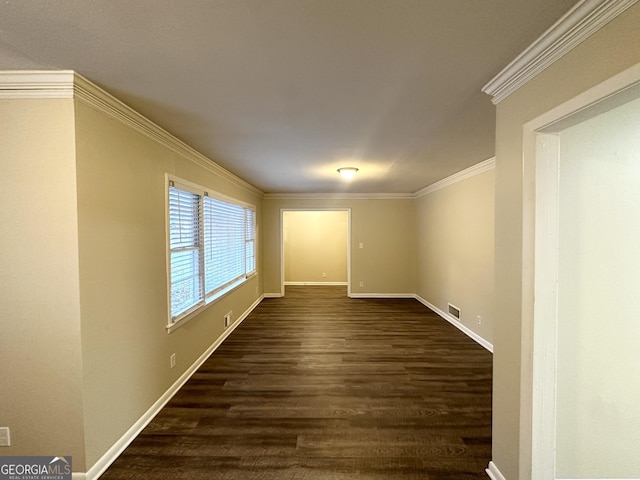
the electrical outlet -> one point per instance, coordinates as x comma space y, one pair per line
227, 319
5, 437
361, 283
172, 360
324, 275
479, 320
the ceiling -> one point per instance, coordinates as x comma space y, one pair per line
283, 92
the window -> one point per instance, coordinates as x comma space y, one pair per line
186, 251
211, 247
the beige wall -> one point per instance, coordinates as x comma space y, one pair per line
123, 280
603, 55
456, 250
315, 246
40, 356
385, 227
84, 349
598, 380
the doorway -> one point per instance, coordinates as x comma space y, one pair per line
581, 376
315, 247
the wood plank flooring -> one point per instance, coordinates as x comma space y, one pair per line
317, 386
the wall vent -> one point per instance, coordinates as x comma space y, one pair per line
455, 311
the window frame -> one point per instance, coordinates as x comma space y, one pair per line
205, 299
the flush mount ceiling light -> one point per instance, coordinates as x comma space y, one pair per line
348, 172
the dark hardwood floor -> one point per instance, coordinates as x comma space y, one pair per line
317, 386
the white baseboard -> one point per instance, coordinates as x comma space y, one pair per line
457, 323
273, 295
112, 454
494, 473
382, 295
315, 283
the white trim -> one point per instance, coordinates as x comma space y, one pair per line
273, 295
315, 209
457, 323
537, 390
316, 283
338, 196
382, 295
472, 171
545, 305
78, 476
117, 448
20, 84
579, 23
493, 472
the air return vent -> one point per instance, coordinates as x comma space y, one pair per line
455, 311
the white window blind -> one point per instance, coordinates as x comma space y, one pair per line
224, 244
185, 248
212, 247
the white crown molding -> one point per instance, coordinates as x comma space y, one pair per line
36, 84
338, 196
583, 20
70, 84
472, 171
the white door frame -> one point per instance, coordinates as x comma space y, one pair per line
327, 209
540, 266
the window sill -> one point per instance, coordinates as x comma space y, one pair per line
207, 303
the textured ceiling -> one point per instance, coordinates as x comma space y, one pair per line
283, 92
